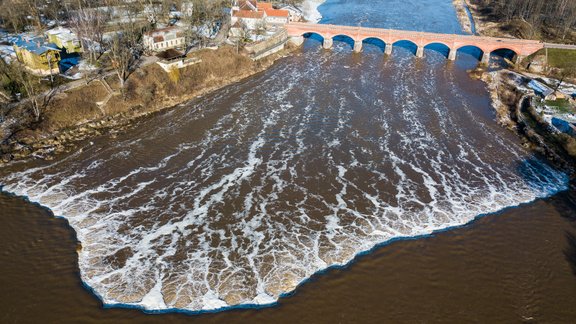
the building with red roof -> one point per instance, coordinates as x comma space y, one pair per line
253, 13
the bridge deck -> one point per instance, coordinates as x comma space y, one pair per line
522, 47
352, 30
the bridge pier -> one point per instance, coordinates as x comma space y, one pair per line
420, 51
486, 58
452, 54
327, 44
297, 40
357, 46
519, 59
388, 49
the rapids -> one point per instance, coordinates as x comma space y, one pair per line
237, 197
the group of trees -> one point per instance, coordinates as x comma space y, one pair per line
123, 21
559, 15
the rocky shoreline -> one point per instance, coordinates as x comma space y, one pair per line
30, 144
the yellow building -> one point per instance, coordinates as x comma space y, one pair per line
65, 39
39, 57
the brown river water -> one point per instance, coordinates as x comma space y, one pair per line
305, 193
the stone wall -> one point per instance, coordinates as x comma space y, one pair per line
266, 47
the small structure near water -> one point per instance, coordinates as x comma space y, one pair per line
542, 90
173, 59
564, 126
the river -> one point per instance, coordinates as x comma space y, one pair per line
236, 199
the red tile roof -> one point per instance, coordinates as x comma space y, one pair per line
277, 13
264, 5
248, 14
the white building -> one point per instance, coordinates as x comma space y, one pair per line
295, 13
163, 39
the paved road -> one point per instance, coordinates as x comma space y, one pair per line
560, 46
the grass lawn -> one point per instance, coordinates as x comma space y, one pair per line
562, 106
561, 58
558, 58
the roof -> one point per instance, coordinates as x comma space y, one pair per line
62, 33
161, 31
277, 13
248, 4
264, 5
541, 88
170, 54
36, 45
292, 9
248, 14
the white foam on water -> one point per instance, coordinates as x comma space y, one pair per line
154, 299
296, 175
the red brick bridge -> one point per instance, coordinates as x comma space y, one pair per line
487, 45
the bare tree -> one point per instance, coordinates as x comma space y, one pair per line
30, 84
540, 16
207, 16
88, 24
261, 28
10, 83
13, 14
124, 50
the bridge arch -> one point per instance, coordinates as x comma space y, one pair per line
380, 43
406, 44
344, 39
505, 51
314, 35
505, 55
471, 50
439, 47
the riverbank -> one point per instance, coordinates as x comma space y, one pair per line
491, 23
463, 17
512, 104
78, 115
484, 26
515, 111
